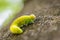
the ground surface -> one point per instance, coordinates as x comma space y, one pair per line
47, 25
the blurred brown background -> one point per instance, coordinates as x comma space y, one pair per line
46, 27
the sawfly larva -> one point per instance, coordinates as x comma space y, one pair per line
23, 20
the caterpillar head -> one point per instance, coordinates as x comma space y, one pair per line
33, 16
15, 30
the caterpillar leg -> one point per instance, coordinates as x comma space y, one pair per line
30, 23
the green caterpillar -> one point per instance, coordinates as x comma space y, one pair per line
23, 20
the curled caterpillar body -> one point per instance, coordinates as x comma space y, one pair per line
23, 20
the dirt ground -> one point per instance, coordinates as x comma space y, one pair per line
47, 25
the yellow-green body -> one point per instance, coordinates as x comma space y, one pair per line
19, 22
